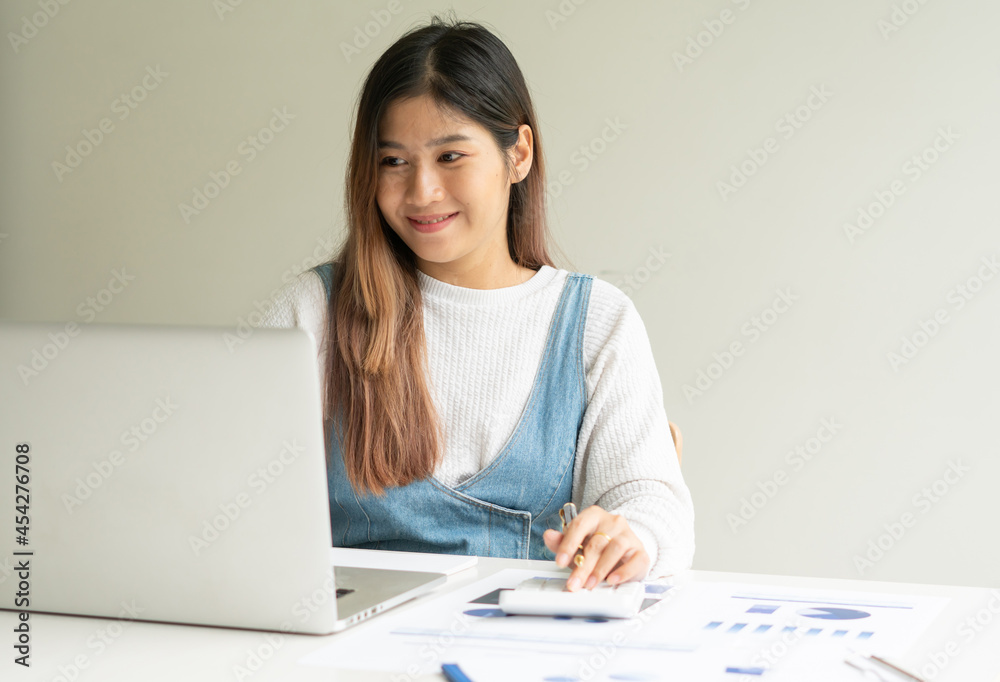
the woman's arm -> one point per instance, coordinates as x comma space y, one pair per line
300, 303
626, 462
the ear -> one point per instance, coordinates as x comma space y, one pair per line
522, 153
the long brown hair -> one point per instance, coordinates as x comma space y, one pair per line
377, 395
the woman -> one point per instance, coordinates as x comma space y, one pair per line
472, 388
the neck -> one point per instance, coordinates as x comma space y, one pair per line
483, 276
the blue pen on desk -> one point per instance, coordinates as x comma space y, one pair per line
454, 673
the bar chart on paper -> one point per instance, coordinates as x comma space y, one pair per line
865, 621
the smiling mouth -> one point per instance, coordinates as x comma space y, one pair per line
432, 221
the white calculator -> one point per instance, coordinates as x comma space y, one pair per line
549, 597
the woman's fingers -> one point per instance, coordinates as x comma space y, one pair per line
552, 538
617, 561
610, 548
635, 562
584, 524
608, 553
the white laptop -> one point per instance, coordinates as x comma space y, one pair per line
172, 475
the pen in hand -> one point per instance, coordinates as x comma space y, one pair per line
566, 515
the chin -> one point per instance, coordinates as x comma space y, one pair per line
435, 258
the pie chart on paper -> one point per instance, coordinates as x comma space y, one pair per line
833, 613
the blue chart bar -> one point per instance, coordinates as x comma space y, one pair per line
735, 628
830, 613
762, 608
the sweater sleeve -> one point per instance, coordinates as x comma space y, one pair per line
302, 303
629, 465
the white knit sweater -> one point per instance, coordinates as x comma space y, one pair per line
625, 458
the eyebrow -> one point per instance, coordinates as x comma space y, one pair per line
383, 144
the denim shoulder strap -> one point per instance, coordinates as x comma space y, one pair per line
325, 272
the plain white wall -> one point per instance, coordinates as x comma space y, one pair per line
669, 99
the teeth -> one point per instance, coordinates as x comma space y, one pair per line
431, 222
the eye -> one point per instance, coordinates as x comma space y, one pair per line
388, 161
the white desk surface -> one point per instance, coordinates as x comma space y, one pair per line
180, 653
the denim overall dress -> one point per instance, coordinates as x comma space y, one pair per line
502, 510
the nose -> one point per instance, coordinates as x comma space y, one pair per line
424, 186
